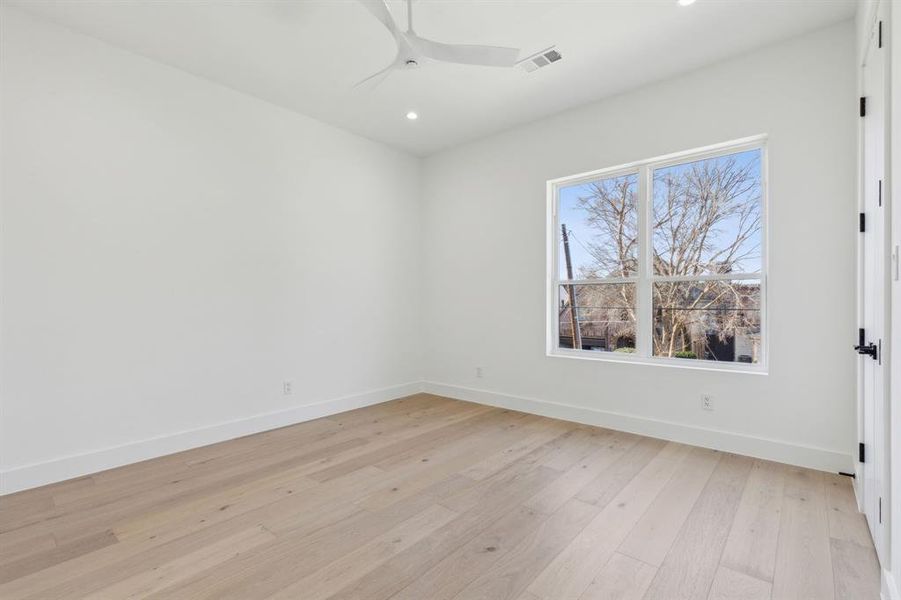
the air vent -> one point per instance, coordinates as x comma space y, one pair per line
542, 59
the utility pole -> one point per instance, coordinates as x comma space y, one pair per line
573, 314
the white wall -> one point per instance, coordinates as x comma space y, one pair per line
484, 272
173, 250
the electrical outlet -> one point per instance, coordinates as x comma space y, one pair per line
287, 387
479, 372
706, 401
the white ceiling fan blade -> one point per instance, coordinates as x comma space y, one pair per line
489, 56
376, 78
380, 11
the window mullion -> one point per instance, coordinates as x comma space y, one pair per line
644, 305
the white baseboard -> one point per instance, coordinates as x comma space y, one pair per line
60, 469
737, 443
889, 588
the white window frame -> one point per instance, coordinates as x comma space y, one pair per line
645, 278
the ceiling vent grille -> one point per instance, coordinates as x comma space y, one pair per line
544, 58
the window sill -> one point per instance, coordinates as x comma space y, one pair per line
672, 363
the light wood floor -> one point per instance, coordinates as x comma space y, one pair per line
427, 498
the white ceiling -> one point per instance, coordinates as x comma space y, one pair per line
307, 54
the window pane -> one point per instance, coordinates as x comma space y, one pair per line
603, 316
707, 216
601, 223
708, 320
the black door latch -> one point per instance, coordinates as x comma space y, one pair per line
871, 349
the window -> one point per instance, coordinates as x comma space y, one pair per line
662, 261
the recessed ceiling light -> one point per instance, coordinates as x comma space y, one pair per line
412, 115
686, 2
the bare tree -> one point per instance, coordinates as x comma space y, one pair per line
611, 208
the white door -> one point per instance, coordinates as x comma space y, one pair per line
873, 283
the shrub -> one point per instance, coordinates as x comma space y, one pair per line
685, 354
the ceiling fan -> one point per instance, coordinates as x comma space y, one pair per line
411, 48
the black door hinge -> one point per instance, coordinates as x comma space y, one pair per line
863, 106
861, 453
863, 222
880, 34
880, 192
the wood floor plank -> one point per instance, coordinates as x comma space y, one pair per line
422, 442
147, 582
473, 558
751, 547
493, 425
579, 475
425, 469
845, 521
79, 576
247, 453
855, 571
217, 504
299, 554
95, 518
417, 564
653, 535
622, 578
607, 484
20, 550
734, 585
368, 557
479, 492
575, 445
58, 554
688, 570
576, 566
510, 576
444, 580
39, 496
497, 461
288, 505
431, 498
17, 510
803, 557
